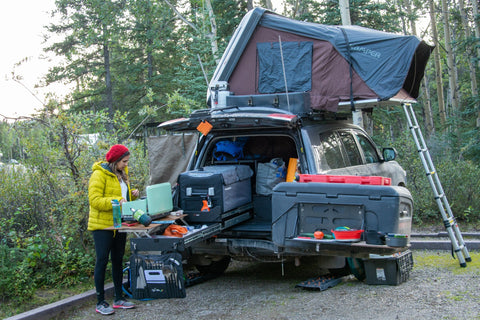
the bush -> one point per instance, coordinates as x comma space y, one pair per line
459, 178
43, 223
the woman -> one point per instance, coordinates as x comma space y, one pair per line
109, 181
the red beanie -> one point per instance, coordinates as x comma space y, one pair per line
116, 152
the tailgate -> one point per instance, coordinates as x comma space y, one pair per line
234, 119
303, 208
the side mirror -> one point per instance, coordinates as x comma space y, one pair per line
389, 154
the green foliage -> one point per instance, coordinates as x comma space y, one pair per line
380, 15
132, 61
460, 177
43, 224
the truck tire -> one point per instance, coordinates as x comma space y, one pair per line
340, 272
215, 267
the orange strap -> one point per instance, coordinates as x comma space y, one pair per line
175, 230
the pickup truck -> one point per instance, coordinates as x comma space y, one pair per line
278, 224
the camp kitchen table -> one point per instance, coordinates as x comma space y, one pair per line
140, 230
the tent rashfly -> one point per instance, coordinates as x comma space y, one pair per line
333, 65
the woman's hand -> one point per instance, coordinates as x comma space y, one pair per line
135, 193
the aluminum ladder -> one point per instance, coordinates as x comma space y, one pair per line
451, 225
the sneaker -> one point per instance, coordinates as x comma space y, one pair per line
104, 308
123, 304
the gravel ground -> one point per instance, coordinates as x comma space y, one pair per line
259, 291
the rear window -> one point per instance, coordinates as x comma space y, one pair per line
244, 149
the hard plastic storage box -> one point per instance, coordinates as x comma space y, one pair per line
296, 103
224, 188
127, 213
306, 207
157, 276
389, 270
159, 198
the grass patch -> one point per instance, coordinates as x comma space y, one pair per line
43, 297
443, 260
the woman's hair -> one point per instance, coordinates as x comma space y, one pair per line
121, 175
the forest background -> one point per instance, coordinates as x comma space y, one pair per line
129, 63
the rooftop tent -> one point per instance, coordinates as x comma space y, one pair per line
334, 64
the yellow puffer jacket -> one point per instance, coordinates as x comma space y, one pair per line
102, 189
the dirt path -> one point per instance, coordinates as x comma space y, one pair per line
259, 291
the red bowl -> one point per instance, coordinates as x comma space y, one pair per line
350, 234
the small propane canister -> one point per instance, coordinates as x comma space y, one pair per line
141, 217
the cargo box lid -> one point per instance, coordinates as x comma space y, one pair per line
230, 173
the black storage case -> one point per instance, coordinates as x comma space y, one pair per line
156, 245
225, 186
306, 207
296, 103
157, 276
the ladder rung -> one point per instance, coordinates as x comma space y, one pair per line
440, 196
431, 173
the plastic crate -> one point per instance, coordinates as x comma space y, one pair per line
157, 276
370, 180
389, 270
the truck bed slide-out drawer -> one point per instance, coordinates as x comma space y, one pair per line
158, 243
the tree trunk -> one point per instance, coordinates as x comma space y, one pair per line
438, 66
476, 19
149, 59
213, 34
268, 4
429, 124
450, 60
357, 116
345, 12
470, 52
427, 106
108, 82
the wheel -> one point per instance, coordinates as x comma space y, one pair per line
341, 272
216, 267
357, 268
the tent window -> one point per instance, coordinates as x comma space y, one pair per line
297, 57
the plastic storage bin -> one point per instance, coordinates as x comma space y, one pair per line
306, 207
157, 276
370, 180
390, 270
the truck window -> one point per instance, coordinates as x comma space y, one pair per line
242, 149
369, 150
351, 149
331, 151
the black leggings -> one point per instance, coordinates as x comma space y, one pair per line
113, 243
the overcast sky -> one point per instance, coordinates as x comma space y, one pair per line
21, 23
